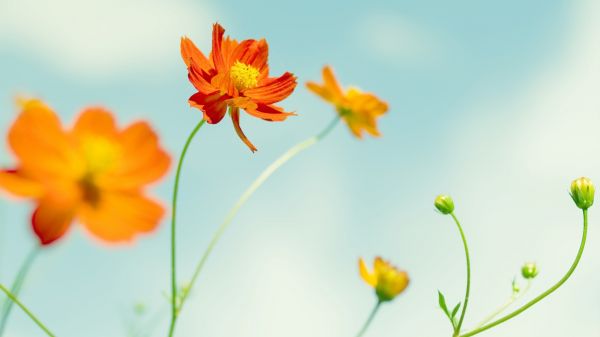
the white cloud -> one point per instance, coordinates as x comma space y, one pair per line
100, 38
397, 40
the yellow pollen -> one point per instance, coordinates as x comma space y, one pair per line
244, 76
100, 154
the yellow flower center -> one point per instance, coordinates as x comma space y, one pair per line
244, 76
99, 154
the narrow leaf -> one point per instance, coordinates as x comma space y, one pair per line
442, 303
455, 310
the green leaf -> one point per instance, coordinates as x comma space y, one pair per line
442, 303
455, 310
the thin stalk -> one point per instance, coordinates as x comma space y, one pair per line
289, 154
467, 291
369, 320
545, 293
24, 308
513, 298
16, 287
174, 295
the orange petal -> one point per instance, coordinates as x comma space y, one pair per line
119, 217
145, 161
217, 52
17, 184
256, 55
97, 121
235, 117
200, 80
39, 142
213, 105
270, 113
370, 278
273, 90
192, 55
331, 83
51, 219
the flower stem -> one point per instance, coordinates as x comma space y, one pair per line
174, 295
513, 298
289, 154
466, 300
24, 308
545, 293
369, 320
16, 287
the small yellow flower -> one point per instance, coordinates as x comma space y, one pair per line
387, 280
358, 109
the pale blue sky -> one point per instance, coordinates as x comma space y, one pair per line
493, 102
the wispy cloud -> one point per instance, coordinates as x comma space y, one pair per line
99, 39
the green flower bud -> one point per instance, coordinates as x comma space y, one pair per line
444, 204
529, 270
582, 192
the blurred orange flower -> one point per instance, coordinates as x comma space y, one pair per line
387, 280
94, 173
235, 76
358, 109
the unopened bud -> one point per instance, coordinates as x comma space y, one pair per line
582, 192
444, 204
529, 270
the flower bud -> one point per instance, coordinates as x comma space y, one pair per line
582, 192
529, 270
444, 204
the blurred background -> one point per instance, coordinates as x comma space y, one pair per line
494, 102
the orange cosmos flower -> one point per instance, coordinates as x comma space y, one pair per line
359, 110
94, 173
387, 280
235, 76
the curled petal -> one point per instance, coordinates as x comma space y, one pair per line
213, 106
235, 117
270, 113
52, 218
200, 80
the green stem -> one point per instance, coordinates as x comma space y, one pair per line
24, 308
466, 300
289, 154
545, 293
369, 320
174, 308
16, 287
513, 298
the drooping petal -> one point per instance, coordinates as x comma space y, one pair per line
269, 113
38, 140
52, 218
273, 90
193, 56
368, 277
217, 52
235, 117
146, 160
213, 106
15, 183
120, 216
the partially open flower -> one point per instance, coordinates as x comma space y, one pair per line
582, 192
358, 109
387, 280
94, 173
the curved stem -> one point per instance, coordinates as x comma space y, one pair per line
369, 320
16, 287
24, 308
466, 300
545, 293
289, 154
174, 295
513, 298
